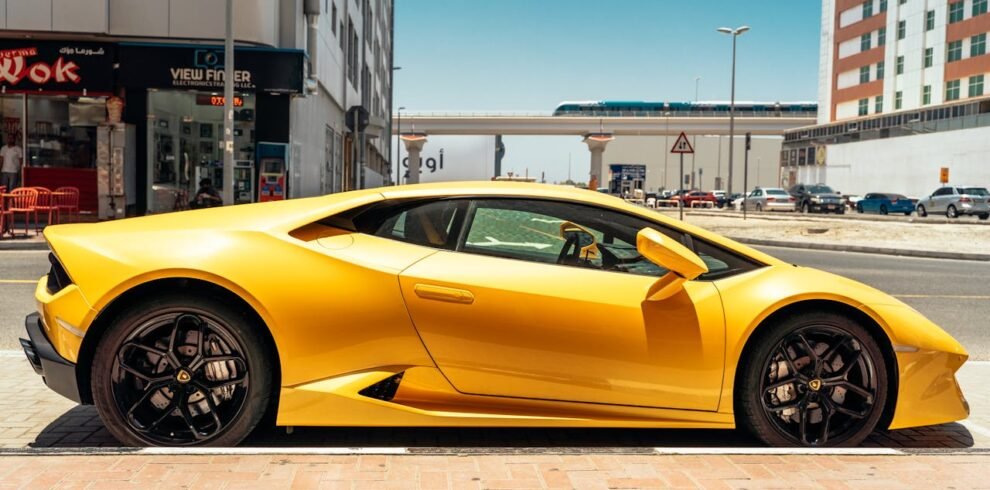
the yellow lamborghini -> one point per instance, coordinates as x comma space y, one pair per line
470, 304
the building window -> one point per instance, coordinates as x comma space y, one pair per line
882, 36
878, 104
898, 100
864, 107
930, 20
864, 42
976, 86
901, 2
955, 12
978, 45
954, 54
868, 9
883, 5
864, 74
899, 66
926, 95
952, 90
333, 19
979, 7
930, 57
880, 69
901, 29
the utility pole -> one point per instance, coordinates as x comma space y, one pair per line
735, 33
749, 138
228, 108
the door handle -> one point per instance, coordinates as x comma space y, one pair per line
440, 293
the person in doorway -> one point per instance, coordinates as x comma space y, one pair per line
11, 157
207, 196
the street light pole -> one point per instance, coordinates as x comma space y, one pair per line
398, 147
228, 108
735, 33
391, 152
694, 138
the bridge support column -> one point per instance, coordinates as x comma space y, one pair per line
414, 146
596, 145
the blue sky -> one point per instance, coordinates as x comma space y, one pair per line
528, 55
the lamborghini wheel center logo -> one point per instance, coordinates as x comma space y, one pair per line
183, 376
815, 384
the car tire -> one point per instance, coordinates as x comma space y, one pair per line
859, 208
883, 210
907, 213
984, 217
951, 212
772, 401
150, 360
922, 212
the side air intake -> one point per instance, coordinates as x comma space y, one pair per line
385, 389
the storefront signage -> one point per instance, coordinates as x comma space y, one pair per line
202, 68
217, 100
63, 67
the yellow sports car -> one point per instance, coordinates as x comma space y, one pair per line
470, 304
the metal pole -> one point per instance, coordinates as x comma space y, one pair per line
732, 114
680, 200
228, 108
745, 178
666, 149
398, 149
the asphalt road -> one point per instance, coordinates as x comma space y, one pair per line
954, 294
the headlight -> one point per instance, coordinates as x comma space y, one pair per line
816, 199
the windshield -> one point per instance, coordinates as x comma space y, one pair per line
777, 192
820, 189
976, 191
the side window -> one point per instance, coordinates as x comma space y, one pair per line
429, 224
530, 230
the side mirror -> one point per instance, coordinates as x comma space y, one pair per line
582, 237
683, 264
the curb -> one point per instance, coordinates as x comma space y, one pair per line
14, 245
925, 254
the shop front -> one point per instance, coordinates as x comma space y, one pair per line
53, 100
175, 100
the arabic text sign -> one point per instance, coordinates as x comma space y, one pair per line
62, 66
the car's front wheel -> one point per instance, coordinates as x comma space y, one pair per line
814, 379
182, 371
951, 212
922, 212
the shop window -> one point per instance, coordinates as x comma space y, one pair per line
978, 45
954, 52
976, 86
185, 132
952, 90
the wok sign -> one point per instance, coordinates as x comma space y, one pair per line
60, 67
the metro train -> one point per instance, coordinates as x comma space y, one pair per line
615, 108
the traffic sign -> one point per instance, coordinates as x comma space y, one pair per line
943, 175
682, 145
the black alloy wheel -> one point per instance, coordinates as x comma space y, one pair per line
818, 381
181, 375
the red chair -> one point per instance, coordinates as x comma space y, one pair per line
23, 200
45, 204
67, 200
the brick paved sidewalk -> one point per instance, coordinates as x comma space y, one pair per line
493, 471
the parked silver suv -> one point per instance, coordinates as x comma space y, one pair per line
954, 200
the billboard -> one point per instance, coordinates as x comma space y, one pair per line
453, 158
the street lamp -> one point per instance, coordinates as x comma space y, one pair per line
398, 147
391, 101
735, 33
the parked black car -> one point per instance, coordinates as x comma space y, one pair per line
817, 198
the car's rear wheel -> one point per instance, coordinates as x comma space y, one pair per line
984, 216
182, 371
922, 211
814, 379
883, 210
